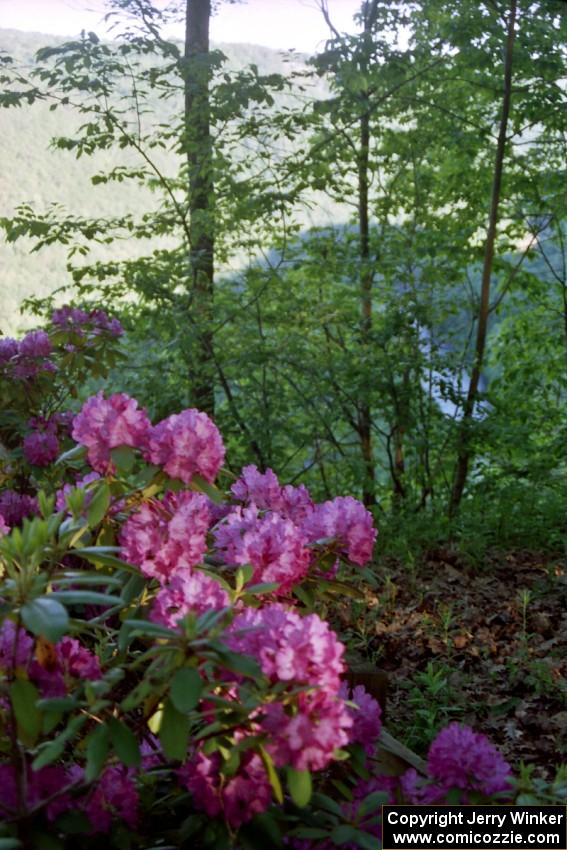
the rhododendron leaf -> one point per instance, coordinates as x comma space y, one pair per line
310, 832
51, 750
300, 786
304, 595
123, 458
99, 505
372, 803
78, 452
327, 803
153, 629
85, 597
124, 743
272, 774
174, 732
266, 587
186, 689
342, 588
198, 483
57, 704
97, 750
9, 843
96, 578
243, 574
46, 617
236, 663
24, 696
345, 834
133, 588
105, 556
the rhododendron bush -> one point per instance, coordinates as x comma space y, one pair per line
166, 676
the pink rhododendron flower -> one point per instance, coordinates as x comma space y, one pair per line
187, 444
104, 424
307, 740
41, 448
166, 536
187, 592
72, 661
114, 795
366, 719
4, 527
238, 797
272, 545
77, 661
260, 488
462, 758
263, 490
289, 648
346, 520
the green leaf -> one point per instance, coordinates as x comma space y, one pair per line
186, 689
76, 453
85, 597
99, 505
198, 483
9, 843
344, 834
372, 803
124, 742
105, 556
123, 458
272, 774
144, 627
53, 749
24, 696
174, 732
95, 578
45, 617
97, 751
300, 787
266, 587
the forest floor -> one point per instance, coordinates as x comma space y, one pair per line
485, 645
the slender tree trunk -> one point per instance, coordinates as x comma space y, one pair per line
464, 452
365, 281
365, 408
198, 146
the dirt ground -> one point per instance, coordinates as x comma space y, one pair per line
485, 645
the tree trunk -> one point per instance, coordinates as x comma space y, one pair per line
464, 452
198, 147
365, 282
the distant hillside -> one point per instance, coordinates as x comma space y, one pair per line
32, 172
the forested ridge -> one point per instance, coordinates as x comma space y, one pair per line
279, 302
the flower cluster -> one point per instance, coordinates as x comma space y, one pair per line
366, 717
167, 536
15, 506
187, 592
187, 444
237, 798
82, 322
264, 490
347, 521
24, 360
271, 544
105, 424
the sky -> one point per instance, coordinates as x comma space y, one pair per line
280, 24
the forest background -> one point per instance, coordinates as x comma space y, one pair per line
356, 262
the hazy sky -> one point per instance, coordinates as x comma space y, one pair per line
273, 23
